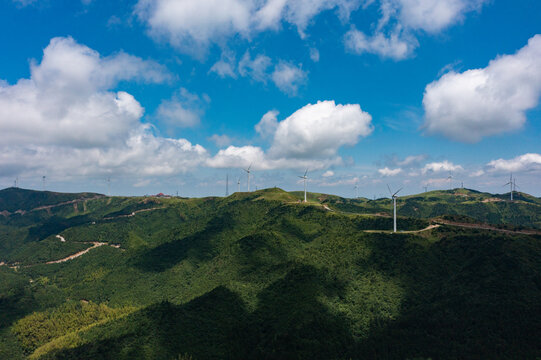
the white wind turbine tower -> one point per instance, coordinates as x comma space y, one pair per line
450, 178
304, 177
394, 197
238, 185
248, 174
43, 181
511, 183
356, 187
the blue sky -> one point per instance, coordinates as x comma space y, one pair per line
172, 95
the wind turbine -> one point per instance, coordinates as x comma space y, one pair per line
248, 173
511, 183
450, 178
238, 185
43, 181
227, 184
108, 186
394, 197
304, 177
356, 187
426, 188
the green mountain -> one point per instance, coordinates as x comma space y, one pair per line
263, 276
524, 211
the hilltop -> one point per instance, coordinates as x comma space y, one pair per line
263, 275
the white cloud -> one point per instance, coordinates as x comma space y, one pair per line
483, 102
225, 67
435, 15
66, 99
255, 68
477, 173
234, 156
314, 54
340, 182
328, 173
65, 119
412, 160
193, 25
288, 77
221, 140
389, 172
268, 124
142, 183
526, 162
184, 109
320, 130
309, 138
445, 165
397, 45
394, 34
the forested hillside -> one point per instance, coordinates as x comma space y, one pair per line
263, 276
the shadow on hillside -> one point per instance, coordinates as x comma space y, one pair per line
289, 323
199, 246
54, 225
469, 297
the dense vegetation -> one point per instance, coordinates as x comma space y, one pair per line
524, 211
262, 276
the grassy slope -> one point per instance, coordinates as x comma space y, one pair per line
260, 276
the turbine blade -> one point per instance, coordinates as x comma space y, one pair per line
397, 191
306, 172
390, 192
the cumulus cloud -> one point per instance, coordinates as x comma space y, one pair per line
328, 173
226, 66
526, 162
320, 130
288, 77
221, 140
395, 33
483, 102
435, 15
65, 119
389, 172
255, 68
66, 98
445, 165
268, 124
193, 25
309, 138
412, 160
184, 109
397, 45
